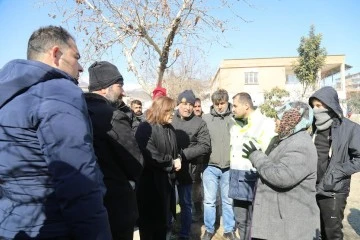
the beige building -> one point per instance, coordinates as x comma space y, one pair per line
352, 83
257, 75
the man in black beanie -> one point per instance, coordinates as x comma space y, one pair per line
193, 140
118, 154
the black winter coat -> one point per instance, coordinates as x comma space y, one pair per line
193, 140
134, 122
119, 157
156, 192
345, 157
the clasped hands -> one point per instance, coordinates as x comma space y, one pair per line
177, 164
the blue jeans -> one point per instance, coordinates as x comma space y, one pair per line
186, 208
212, 178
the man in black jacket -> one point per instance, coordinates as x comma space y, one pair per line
118, 154
193, 140
136, 108
337, 141
197, 189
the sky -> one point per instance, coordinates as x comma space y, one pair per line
273, 29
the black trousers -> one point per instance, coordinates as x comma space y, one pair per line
123, 233
331, 216
23, 236
153, 233
243, 217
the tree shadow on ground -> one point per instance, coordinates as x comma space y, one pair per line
354, 219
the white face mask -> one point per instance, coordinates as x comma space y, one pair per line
323, 118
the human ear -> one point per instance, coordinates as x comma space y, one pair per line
104, 91
56, 55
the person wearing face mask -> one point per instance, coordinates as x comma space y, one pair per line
337, 140
119, 156
249, 123
216, 173
193, 141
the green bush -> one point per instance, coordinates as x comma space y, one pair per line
273, 99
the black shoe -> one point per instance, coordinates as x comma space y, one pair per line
207, 236
183, 238
230, 236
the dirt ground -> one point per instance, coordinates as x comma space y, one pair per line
351, 220
352, 212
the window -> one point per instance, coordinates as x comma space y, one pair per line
292, 79
251, 78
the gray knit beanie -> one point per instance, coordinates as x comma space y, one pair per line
186, 96
102, 75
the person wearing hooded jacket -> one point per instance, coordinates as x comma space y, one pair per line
119, 156
216, 173
50, 184
193, 140
337, 141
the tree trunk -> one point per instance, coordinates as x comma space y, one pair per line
164, 58
305, 86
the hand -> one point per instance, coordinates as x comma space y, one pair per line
248, 149
329, 187
177, 164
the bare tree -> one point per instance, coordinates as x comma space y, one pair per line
191, 72
176, 84
150, 33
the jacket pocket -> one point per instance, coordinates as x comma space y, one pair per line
242, 185
336, 182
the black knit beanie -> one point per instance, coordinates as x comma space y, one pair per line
186, 96
102, 75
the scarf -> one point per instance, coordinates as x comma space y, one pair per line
323, 118
294, 117
288, 123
